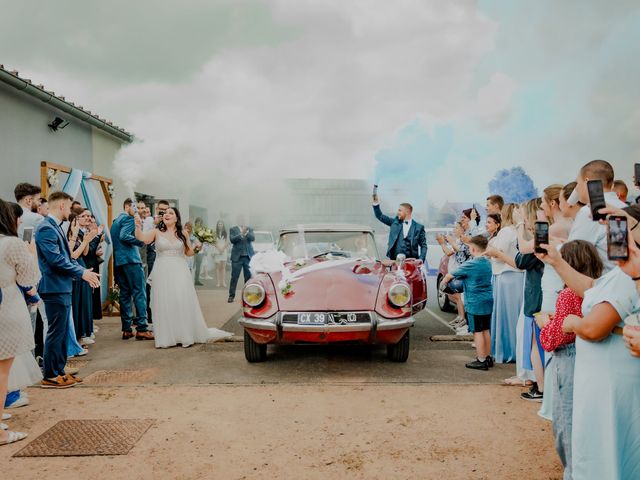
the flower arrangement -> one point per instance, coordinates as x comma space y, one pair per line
204, 234
285, 287
52, 178
114, 294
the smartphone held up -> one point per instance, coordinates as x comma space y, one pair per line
27, 234
596, 199
617, 238
541, 236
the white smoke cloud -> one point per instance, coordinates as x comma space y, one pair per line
317, 105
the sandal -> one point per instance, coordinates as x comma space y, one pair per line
6, 416
517, 382
13, 437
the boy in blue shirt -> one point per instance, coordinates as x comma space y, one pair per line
478, 300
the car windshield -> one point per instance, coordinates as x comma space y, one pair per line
263, 237
341, 244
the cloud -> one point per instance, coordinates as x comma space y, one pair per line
230, 96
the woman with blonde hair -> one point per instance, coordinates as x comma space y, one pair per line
508, 283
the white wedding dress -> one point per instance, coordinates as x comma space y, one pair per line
177, 317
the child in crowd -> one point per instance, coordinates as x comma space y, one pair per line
584, 258
476, 277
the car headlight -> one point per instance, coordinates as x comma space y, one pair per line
253, 295
399, 295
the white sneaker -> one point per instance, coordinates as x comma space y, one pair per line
6, 416
22, 401
86, 341
462, 331
82, 353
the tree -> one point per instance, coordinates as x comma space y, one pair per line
514, 185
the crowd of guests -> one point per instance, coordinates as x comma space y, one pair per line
562, 311
51, 252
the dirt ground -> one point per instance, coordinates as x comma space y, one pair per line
299, 431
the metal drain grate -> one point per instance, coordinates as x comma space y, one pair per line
120, 377
70, 438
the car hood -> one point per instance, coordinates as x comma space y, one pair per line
347, 286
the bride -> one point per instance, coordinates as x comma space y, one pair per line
177, 318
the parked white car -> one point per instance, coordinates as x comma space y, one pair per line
264, 241
434, 251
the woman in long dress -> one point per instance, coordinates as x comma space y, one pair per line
18, 265
221, 254
508, 288
177, 316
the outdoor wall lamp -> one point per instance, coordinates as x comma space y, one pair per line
58, 124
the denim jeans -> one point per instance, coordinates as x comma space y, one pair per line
130, 279
563, 364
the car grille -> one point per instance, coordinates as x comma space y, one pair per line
335, 318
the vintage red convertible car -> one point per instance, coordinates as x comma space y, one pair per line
333, 289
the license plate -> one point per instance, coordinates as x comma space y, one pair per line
312, 318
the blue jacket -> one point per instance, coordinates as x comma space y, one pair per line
416, 236
57, 267
242, 246
125, 243
476, 277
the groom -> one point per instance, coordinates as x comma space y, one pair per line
406, 236
59, 271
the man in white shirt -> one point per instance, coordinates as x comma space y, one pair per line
584, 228
26, 195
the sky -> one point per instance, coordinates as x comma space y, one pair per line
428, 95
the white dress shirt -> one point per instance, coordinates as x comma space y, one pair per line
29, 220
584, 228
406, 226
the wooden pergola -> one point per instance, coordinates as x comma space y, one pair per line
110, 307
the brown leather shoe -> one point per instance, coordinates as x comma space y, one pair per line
127, 335
144, 336
58, 382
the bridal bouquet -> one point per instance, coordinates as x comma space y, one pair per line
204, 234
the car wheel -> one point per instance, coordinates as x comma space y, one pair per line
443, 299
254, 352
399, 352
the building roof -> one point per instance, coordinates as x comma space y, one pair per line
13, 79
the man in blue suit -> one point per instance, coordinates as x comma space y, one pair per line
242, 238
58, 272
406, 236
129, 274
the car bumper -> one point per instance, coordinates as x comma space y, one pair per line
379, 331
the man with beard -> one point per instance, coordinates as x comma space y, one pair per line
59, 271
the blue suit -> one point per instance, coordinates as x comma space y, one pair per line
415, 243
241, 254
59, 271
129, 273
